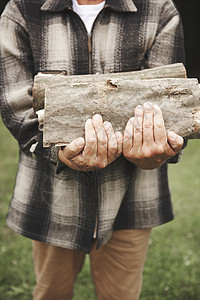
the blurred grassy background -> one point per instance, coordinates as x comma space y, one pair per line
172, 270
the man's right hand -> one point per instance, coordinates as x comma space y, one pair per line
101, 147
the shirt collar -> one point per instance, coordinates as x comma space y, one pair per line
117, 5
122, 5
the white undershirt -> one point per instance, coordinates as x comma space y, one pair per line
87, 13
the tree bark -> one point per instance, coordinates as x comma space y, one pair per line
69, 105
43, 80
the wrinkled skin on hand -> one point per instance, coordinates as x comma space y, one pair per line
100, 148
146, 143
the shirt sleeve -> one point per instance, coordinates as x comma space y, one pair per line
168, 44
16, 81
167, 47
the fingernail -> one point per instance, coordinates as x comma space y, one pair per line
172, 135
80, 142
148, 105
107, 124
131, 120
156, 107
97, 117
89, 121
118, 134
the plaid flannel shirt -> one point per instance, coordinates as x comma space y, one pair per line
61, 208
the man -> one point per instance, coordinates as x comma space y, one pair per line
103, 194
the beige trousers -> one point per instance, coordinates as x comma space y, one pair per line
116, 267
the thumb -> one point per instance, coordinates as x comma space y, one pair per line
74, 148
175, 141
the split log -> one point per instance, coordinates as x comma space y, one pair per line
68, 105
43, 80
71, 100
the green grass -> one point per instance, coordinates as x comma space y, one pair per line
172, 270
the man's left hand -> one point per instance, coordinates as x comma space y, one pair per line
146, 143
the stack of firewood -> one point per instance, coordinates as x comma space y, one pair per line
68, 101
